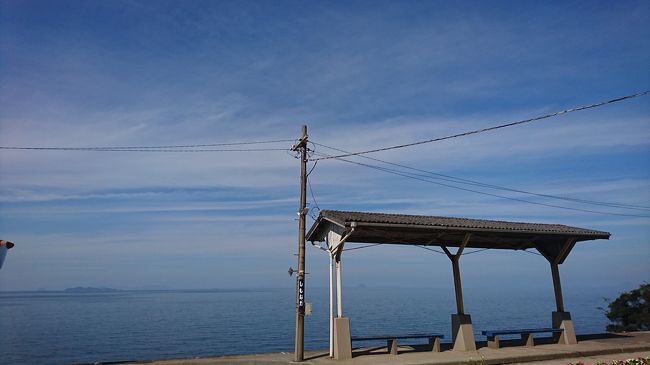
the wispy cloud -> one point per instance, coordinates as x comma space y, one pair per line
359, 77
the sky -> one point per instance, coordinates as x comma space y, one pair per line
360, 75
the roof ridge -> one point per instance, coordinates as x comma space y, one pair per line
458, 222
440, 216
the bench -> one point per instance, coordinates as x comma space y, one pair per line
434, 340
526, 335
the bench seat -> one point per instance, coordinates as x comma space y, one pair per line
434, 340
526, 335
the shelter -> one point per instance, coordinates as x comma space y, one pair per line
553, 241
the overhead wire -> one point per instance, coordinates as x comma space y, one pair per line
312, 168
431, 249
482, 130
459, 180
532, 253
313, 198
163, 148
360, 247
412, 176
311, 191
475, 251
146, 150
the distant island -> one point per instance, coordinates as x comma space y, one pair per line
88, 289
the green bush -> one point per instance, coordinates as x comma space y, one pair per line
630, 311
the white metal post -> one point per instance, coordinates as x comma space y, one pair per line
331, 314
339, 304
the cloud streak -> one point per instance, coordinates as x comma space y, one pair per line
157, 74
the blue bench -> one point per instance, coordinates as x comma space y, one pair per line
526, 335
434, 340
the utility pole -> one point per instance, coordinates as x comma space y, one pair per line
301, 145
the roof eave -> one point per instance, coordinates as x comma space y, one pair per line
604, 235
315, 234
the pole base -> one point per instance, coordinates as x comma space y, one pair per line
342, 340
462, 332
563, 320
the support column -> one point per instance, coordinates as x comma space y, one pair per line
555, 254
342, 339
560, 318
462, 332
339, 299
458, 288
333, 240
342, 342
557, 287
331, 313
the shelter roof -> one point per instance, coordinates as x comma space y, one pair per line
445, 231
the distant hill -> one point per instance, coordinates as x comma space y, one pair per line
89, 289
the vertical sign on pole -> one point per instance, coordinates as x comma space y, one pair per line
301, 296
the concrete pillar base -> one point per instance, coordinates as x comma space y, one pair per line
563, 320
462, 332
493, 342
392, 346
342, 341
435, 344
527, 339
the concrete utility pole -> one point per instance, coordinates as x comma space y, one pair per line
301, 145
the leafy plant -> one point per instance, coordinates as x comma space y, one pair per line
638, 361
630, 311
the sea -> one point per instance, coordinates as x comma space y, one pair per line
70, 328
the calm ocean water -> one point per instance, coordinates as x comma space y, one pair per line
63, 328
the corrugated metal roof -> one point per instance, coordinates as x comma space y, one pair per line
343, 217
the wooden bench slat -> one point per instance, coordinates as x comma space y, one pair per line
391, 341
526, 335
491, 333
410, 336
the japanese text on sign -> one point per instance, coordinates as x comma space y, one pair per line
301, 295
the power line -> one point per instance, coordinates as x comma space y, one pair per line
475, 251
360, 247
93, 149
411, 176
443, 253
311, 191
313, 198
454, 179
532, 252
431, 249
165, 148
477, 131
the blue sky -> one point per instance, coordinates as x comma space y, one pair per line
361, 75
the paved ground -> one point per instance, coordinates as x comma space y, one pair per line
589, 350
591, 360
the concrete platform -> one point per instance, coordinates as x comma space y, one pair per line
590, 350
